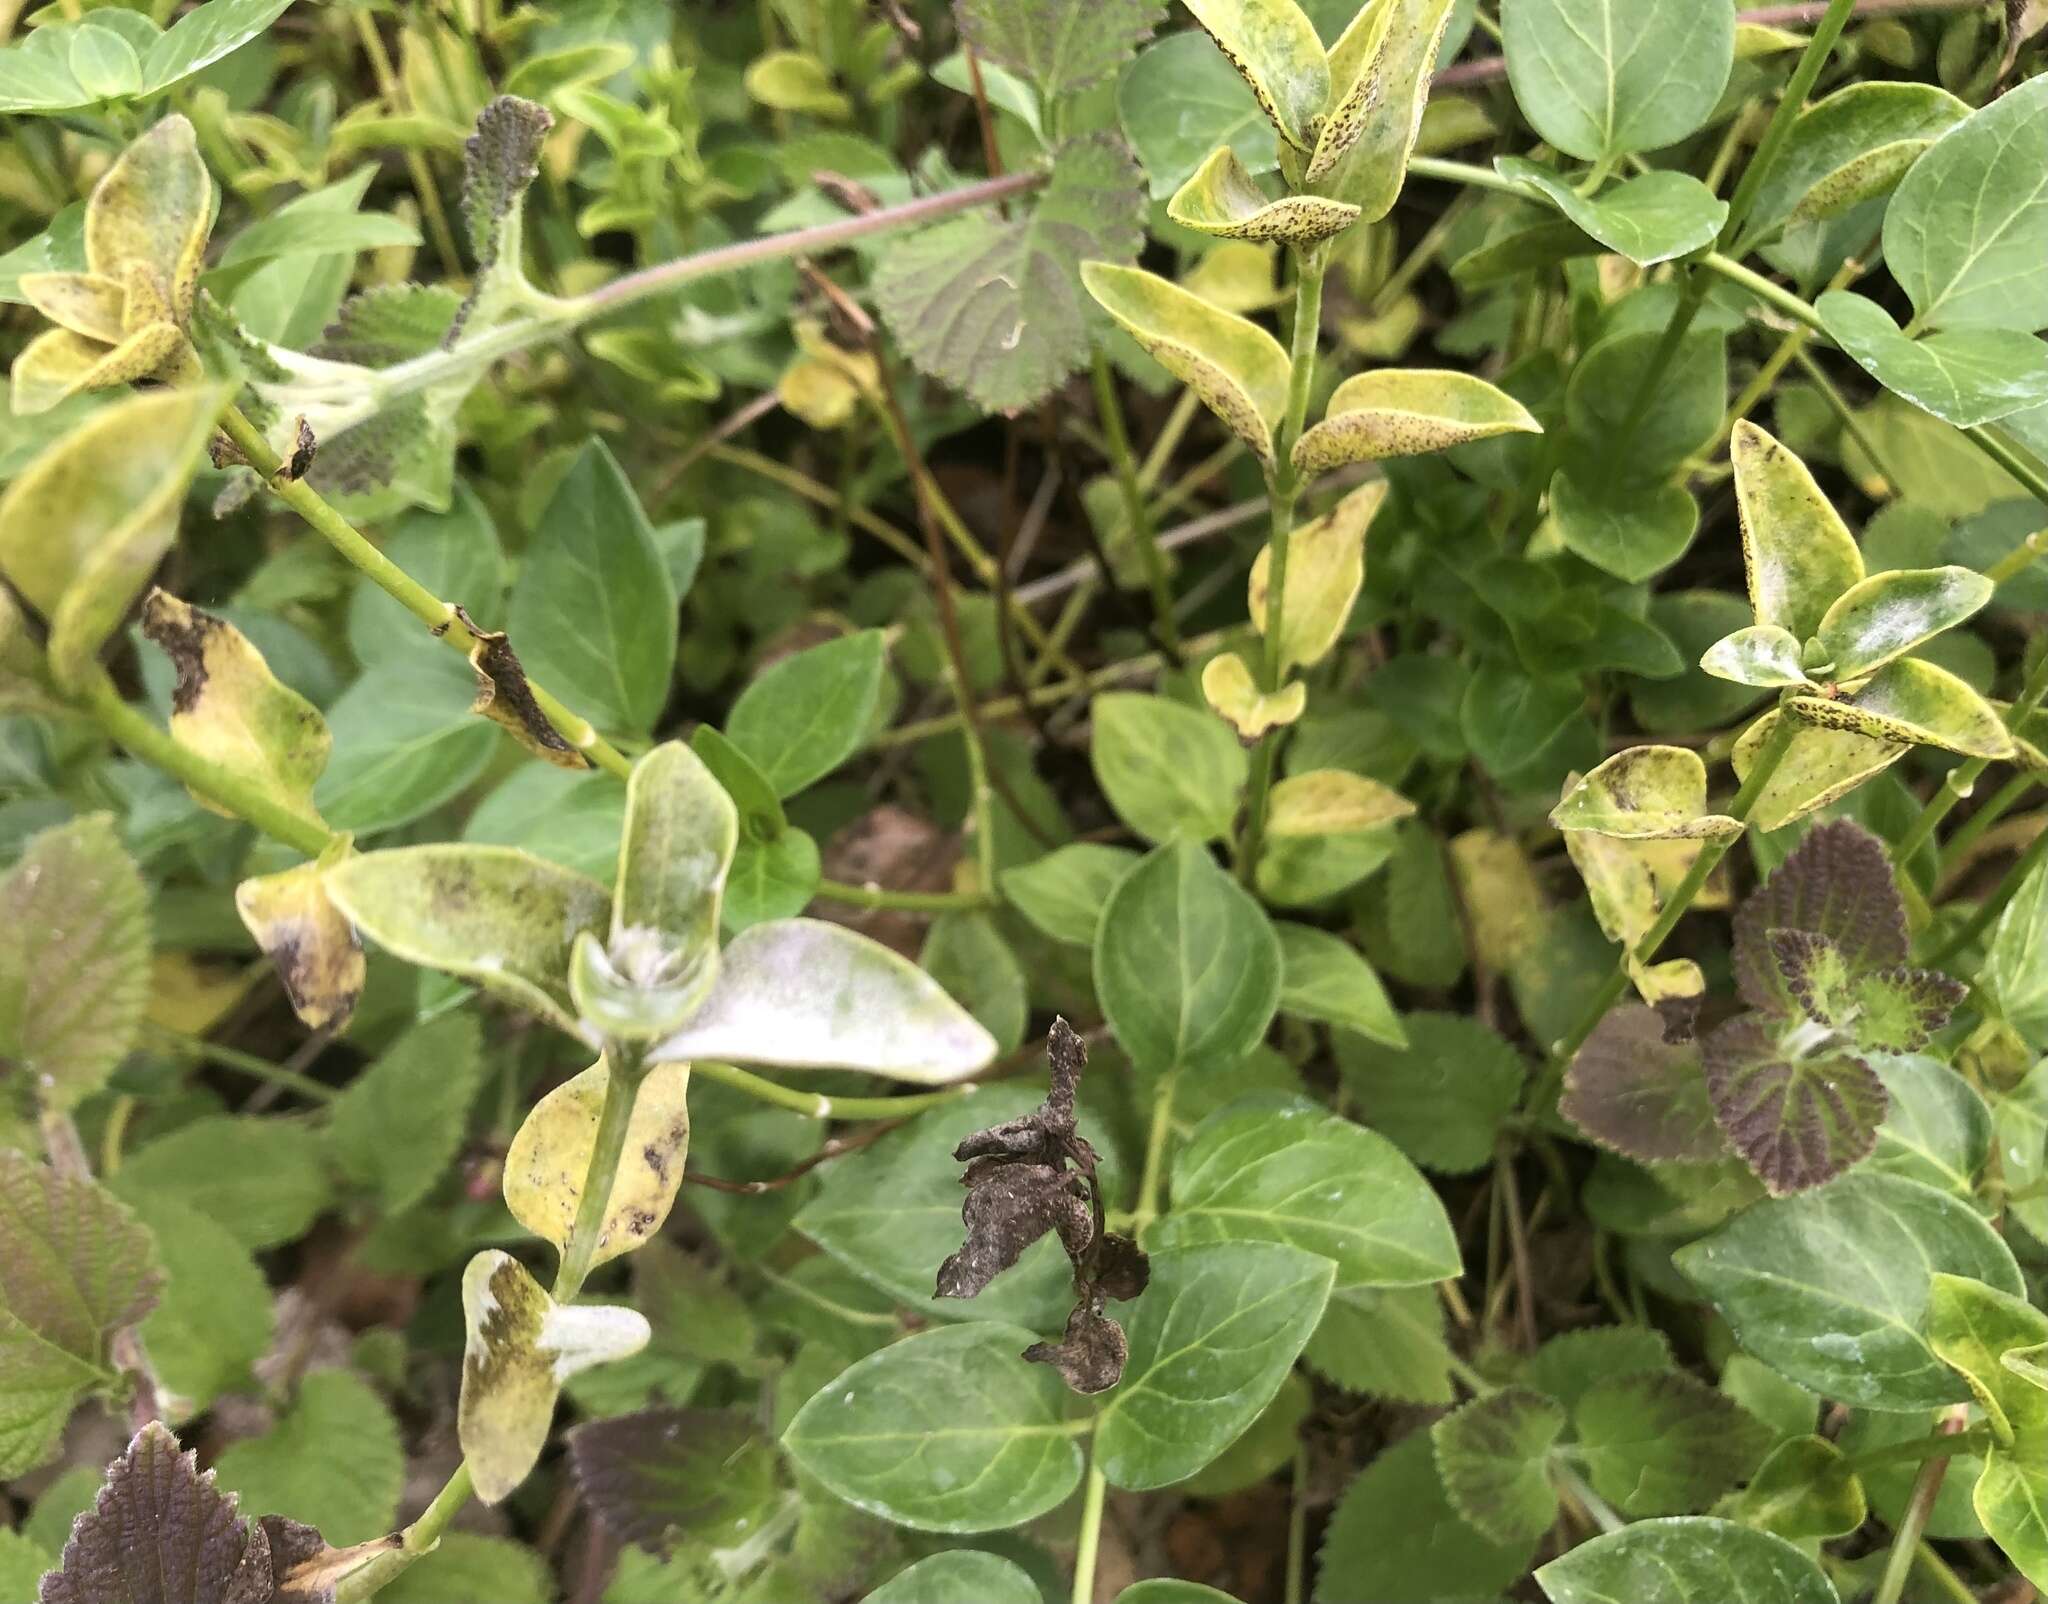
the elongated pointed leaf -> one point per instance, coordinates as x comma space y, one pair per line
1647, 793
1380, 69
496, 915
1889, 615
1325, 569
151, 211
681, 830
1852, 146
1222, 198
1763, 655
1237, 368
1799, 554
1274, 45
801, 992
1404, 412
1962, 376
1913, 701
1322, 976
1649, 219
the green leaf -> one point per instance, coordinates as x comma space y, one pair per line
314, 232
1167, 1592
1939, 1129
1630, 531
1916, 702
1396, 1534
86, 523
1973, 1327
1805, 1488
760, 807
74, 959
406, 742
1665, 1443
594, 612
1323, 977
1265, 1445
261, 1178
1223, 199
1286, 1171
991, 304
1442, 1098
332, 1461
803, 716
1178, 101
1691, 1560
893, 1219
1493, 1454
75, 1267
1798, 1119
677, 845
1968, 228
1211, 1340
465, 1567
804, 993
1274, 45
1830, 1288
965, 1574
1385, 1342
1799, 554
1380, 69
946, 1431
1052, 43
22, 1563
1239, 370
1632, 1091
1509, 716
203, 35
1167, 770
1404, 412
1649, 219
773, 879
213, 1320
1063, 893
1186, 964
1681, 415
1646, 793
2016, 972
1603, 78
399, 1124
1850, 147
1963, 376
495, 915
1570, 1365
966, 954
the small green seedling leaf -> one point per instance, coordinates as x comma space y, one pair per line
1325, 570
519, 1346
1405, 412
805, 715
1222, 198
1493, 1455
1804, 1489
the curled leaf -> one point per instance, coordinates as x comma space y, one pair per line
1405, 412
1763, 655
1647, 793
1230, 689
1917, 703
1090, 1357
1820, 766
1380, 69
1223, 198
153, 209
318, 954
1325, 570
504, 697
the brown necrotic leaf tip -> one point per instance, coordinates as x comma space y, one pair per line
1035, 1174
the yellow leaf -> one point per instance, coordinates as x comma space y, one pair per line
191, 997
318, 954
1325, 567
85, 303
1221, 197
1237, 275
1333, 802
1819, 767
1236, 696
550, 1156
1405, 412
154, 207
1503, 902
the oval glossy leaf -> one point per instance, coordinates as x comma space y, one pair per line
968, 1574
1647, 793
1967, 231
1239, 370
1380, 69
496, 915
1324, 977
1288, 1171
1688, 1560
1404, 412
1890, 614
946, 1431
1186, 963
1850, 147
674, 853
1962, 376
1798, 553
1631, 531
1325, 569
1914, 701
1763, 655
807, 714
1222, 198
1211, 1339
549, 1159
1168, 770
1649, 219
1603, 78
1275, 46
804, 993
1831, 1288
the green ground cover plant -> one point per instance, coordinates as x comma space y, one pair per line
1044, 800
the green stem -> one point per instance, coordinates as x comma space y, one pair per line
414, 1543
1992, 906
249, 1064
1594, 1505
1155, 1153
1906, 1540
871, 896
1089, 1542
1297, 1530
1839, 405
1797, 88
1978, 824
207, 779
625, 1067
1283, 490
1136, 514
816, 1105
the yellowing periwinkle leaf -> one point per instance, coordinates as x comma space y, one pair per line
1888, 615
1325, 568
1274, 45
1799, 554
1333, 802
228, 707
1647, 793
59, 364
1914, 701
789, 80
680, 832
318, 954
1381, 65
1763, 655
1403, 412
85, 303
85, 524
1753, 39
1238, 369
1235, 695
1628, 881
519, 1346
1222, 197
1819, 766
549, 1157
153, 209
1238, 275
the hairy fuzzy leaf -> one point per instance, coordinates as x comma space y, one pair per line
499, 161
669, 1476
1396, 1534
400, 1122
1630, 1090
1442, 1098
1665, 1443
333, 1461
1570, 1365
1798, 1119
1836, 883
1060, 45
993, 305
1492, 1456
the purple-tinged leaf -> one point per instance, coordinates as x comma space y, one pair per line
1646, 1098
1796, 1121
1493, 1457
1837, 883
701, 1476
